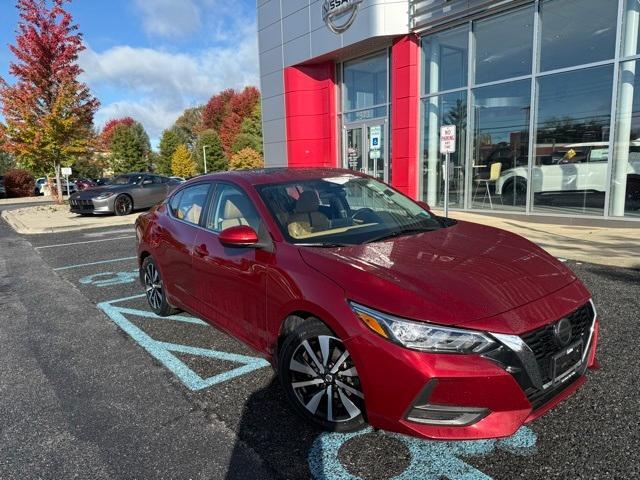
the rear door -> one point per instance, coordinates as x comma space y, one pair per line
231, 283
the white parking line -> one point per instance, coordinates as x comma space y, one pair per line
86, 241
110, 232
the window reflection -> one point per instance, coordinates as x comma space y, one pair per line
365, 82
570, 171
576, 32
445, 60
625, 178
448, 109
497, 59
500, 148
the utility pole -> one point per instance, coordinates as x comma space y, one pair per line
204, 157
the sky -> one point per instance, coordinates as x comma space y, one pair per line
151, 59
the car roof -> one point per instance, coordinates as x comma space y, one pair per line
276, 175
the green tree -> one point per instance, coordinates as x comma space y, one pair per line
130, 148
171, 139
251, 132
246, 159
89, 166
182, 165
6, 162
190, 122
216, 160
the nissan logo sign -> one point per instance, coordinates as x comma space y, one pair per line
339, 15
563, 332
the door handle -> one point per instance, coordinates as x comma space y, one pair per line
201, 250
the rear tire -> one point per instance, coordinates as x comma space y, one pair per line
156, 296
514, 193
320, 379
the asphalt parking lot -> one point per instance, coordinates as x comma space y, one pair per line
95, 386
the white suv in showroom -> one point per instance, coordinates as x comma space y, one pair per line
576, 170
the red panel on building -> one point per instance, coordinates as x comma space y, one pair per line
404, 113
310, 115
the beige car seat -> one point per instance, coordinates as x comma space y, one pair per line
237, 211
307, 217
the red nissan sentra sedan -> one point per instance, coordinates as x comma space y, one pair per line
370, 307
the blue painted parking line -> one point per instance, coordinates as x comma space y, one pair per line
90, 264
430, 460
164, 351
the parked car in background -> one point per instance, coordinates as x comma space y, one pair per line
3, 191
85, 183
126, 193
39, 186
370, 307
179, 179
575, 173
103, 181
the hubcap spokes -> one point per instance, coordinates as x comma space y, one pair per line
325, 380
153, 286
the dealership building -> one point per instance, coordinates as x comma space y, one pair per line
544, 97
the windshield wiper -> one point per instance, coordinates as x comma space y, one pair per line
399, 232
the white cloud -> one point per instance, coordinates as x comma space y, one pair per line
169, 18
155, 86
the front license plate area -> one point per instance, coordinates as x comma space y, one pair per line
566, 360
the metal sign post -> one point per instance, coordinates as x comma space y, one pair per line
447, 146
66, 171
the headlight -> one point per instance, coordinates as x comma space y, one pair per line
423, 336
104, 195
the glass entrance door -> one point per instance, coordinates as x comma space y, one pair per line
366, 150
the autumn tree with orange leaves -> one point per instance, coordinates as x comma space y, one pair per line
48, 112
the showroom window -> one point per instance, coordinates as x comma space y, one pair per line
534, 114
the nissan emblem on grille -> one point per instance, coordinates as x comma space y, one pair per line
563, 331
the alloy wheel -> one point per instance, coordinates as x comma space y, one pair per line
153, 286
325, 381
123, 205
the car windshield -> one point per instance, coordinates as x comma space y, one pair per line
343, 210
127, 180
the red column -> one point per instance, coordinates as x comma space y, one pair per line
405, 77
311, 115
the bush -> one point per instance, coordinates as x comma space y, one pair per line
19, 183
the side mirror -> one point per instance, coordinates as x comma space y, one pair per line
239, 236
424, 205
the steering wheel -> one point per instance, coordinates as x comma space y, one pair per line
362, 210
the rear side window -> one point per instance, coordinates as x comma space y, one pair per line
188, 204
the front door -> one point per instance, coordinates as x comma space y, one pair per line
365, 149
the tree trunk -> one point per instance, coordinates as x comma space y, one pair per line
59, 184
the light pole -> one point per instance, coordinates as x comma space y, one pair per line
204, 157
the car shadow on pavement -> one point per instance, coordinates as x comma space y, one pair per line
269, 427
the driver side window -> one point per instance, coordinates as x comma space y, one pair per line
231, 207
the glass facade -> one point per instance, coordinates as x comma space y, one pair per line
548, 121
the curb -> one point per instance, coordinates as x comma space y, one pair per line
23, 229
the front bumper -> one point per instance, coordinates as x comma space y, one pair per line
498, 397
91, 205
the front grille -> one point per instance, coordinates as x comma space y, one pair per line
542, 343
81, 204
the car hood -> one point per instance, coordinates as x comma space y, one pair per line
453, 276
95, 191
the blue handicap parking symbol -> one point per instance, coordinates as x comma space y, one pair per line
108, 279
430, 460
164, 351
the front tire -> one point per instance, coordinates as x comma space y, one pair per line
123, 205
154, 287
320, 379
